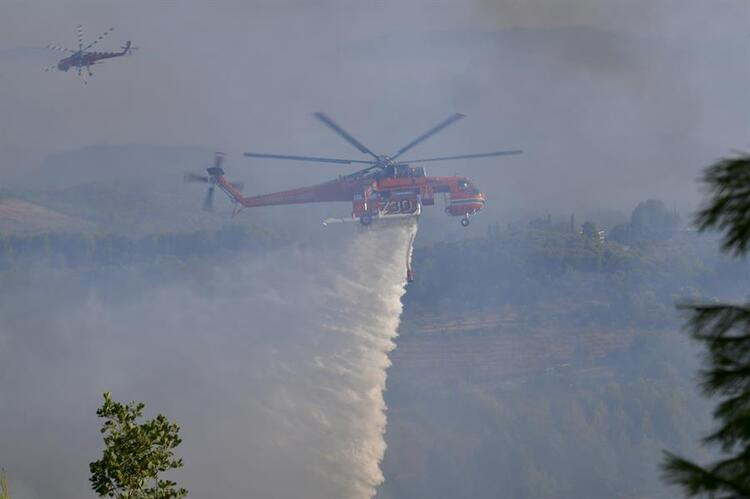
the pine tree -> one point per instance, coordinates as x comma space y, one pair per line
724, 329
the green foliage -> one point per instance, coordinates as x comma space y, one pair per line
565, 433
555, 276
590, 231
135, 454
4, 492
650, 221
724, 329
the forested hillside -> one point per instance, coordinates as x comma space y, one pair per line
544, 360
538, 360
544, 273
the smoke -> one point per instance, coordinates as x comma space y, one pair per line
613, 102
274, 367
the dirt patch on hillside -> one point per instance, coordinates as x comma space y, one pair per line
22, 217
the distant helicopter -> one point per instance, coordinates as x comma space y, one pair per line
82, 59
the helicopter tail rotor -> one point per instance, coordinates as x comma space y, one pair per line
128, 48
214, 178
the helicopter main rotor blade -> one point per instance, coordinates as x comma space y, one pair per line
333, 126
208, 201
79, 33
195, 177
432, 131
468, 156
361, 172
305, 158
101, 37
60, 49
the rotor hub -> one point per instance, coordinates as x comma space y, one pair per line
384, 161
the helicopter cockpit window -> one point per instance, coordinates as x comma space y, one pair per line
465, 186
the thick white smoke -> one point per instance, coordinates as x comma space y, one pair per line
273, 366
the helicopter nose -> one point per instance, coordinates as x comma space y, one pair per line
465, 205
481, 199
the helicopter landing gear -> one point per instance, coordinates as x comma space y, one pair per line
365, 219
465, 222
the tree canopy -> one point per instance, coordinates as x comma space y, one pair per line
135, 454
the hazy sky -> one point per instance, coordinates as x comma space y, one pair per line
631, 111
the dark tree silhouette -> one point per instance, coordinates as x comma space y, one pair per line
724, 329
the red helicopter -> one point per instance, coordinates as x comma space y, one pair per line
385, 189
83, 58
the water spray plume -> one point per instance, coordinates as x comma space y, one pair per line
274, 367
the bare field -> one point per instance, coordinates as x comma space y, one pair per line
22, 217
